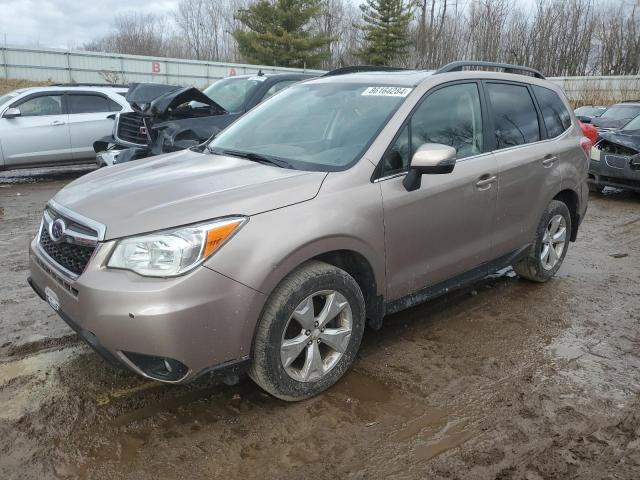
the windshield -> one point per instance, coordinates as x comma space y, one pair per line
633, 124
590, 111
6, 98
314, 126
232, 93
621, 112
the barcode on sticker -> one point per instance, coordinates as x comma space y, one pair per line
387, 91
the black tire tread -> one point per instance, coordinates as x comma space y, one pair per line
529, 267
260, 371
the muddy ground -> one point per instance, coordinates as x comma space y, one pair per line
505, 379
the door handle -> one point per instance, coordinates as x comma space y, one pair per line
549, 160
57, 123
485, 181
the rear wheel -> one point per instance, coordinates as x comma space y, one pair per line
309, 333
547, 253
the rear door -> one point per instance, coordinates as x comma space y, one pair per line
527, 163
40, 135
89, 120
444, 228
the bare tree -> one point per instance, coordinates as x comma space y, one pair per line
135, 33
559, 37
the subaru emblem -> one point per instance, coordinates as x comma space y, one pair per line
57, 229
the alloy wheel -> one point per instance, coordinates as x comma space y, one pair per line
316, 335
553, 242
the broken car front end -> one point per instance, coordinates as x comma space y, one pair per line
165, 118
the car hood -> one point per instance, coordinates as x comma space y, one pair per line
155, 99
182, 188
631, 142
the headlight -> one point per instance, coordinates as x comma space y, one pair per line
173, 252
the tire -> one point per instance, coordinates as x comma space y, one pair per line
280, 333
533, 267
596, 188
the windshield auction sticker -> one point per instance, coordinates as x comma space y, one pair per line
387, 91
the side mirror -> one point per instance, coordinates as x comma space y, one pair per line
12, 113
430, 158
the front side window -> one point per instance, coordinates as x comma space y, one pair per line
449, 116
91, 104
514, 115
232, 93
44, 105
314, 126
275, 88
555, 115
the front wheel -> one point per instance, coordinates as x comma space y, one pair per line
547, 253
309, 333
596, 188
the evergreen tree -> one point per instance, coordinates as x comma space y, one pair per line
277, 33
386, 31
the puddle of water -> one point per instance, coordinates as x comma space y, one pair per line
454, 434
34, 364
360, 387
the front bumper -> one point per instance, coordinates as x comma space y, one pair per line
620, 174
203, 321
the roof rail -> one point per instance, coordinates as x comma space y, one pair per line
361, 68
508, 68
630, 101
112, 85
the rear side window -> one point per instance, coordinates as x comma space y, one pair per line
91, 104
275, 88
555, 115
515, 119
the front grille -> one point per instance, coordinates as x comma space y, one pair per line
129, 125
68, 255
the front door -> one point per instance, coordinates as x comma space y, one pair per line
39, 135
444, 228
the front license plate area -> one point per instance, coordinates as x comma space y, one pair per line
52, 299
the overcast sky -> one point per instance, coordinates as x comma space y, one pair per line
66, 23
71, 23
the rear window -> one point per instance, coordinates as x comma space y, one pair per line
91, 104
621, 112
556, 117
515, 119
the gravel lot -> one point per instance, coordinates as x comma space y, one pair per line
505, 379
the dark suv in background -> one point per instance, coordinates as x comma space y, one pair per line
168, 118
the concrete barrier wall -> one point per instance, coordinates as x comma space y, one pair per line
66, 66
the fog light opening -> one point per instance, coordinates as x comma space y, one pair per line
159, 368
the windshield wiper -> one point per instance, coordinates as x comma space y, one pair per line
254, 157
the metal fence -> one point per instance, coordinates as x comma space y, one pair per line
61, 66
600, 90
66, 66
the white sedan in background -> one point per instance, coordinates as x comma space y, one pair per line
57, 125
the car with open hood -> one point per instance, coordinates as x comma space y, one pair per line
168, 118
342, 199
615, 159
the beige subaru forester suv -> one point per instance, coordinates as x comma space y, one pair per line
334, 203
